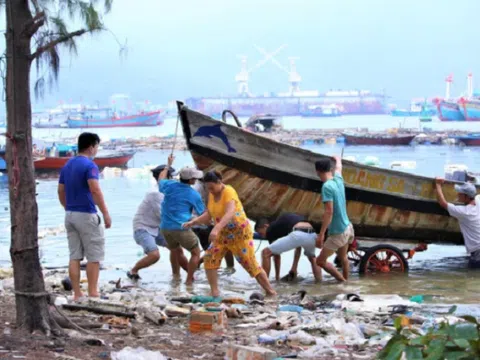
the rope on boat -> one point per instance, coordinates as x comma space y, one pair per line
176, 131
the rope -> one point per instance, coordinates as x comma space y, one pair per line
175, 138
31, 294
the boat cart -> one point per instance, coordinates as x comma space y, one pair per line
374, 256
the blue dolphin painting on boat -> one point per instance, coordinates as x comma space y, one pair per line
214, 131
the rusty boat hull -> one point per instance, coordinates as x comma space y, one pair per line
272, 178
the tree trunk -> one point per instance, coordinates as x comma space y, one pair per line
31, 300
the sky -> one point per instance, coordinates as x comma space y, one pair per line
183, 48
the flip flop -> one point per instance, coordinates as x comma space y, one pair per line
289, 277
132, 276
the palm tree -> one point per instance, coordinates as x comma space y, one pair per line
41, 25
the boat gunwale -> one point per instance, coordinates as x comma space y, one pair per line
181, 108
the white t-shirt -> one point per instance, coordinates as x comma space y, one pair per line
468, 217
148, 213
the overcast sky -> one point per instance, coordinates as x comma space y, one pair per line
183, 48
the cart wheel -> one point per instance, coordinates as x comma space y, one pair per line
383, 259
354, 256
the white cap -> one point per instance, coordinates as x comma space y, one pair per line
467, 189
188, 173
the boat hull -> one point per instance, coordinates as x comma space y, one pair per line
57, 163
448, 111
370, 140
471, 110
406, 113
469, 140
148, 119
272, 178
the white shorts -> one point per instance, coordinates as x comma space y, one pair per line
294, 240
335, 242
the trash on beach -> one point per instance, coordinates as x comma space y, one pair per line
6, 273
140, 353
173, 311
207, 321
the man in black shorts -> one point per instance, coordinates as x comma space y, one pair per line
292, 232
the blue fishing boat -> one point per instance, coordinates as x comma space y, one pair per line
418, 108
449, 111
471, 109
106, 118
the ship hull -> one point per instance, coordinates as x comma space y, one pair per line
148, 119
470, 140
378, 140
448, 111
406, 113
57, 163
471, 110
288, 106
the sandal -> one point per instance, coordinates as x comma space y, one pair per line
132, 276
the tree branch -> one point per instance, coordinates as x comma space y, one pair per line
36, 23
57, 41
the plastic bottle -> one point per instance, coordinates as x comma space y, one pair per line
291, 308
205, 299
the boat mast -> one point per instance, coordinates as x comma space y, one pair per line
448, 85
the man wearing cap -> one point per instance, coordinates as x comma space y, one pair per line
178, 204
468, 216
146, 231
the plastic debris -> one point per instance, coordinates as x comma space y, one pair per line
291, 308
140, 353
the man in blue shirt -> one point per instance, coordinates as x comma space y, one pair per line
79, 192
178, 204
335, 219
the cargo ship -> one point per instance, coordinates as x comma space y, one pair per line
348, 103
292, 103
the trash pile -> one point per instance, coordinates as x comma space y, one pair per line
294, 326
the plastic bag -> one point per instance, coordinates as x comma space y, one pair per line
140, 353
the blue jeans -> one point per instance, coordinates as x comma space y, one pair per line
147, 241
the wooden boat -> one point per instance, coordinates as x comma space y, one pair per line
115, 159
272, 178
380, 139
264, 123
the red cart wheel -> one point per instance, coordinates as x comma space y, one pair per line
383, 259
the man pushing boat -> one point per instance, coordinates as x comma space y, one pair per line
335, 219
467, 214
289, 231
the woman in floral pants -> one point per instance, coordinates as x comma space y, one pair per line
232, 231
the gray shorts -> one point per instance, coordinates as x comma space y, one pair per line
335, 242
294, 240
184, 238
147, 241
85, 236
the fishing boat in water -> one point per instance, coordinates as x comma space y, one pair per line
321, 111
104, 159
470, 139
378, 139
470, 108
272, 178
106, 118
418, 107
449, 111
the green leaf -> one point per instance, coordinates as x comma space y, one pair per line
413, 353
451, 344
396, 339
396, 351
452, 309
421, 340
469, 318
398, 323
456, 355
435, 349
466, 331
462, 343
